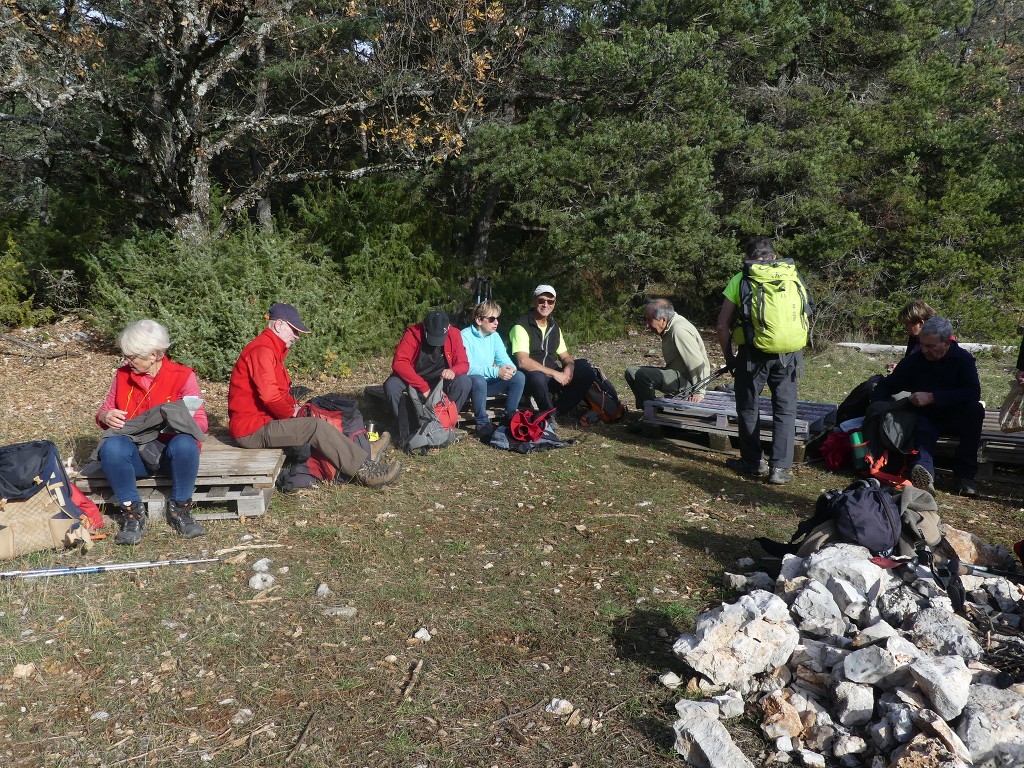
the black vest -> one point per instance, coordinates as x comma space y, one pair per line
542, 348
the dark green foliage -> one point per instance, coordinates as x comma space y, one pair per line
15, 304
213, 297
872, 142
387, 241
633, 152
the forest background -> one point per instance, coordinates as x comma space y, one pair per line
196, 160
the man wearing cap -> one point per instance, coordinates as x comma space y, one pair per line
428, 352
261, 409
540, 351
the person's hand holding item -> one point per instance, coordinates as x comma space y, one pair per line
114, 418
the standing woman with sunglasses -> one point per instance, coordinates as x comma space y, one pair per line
541, 353
147, 380
490, 368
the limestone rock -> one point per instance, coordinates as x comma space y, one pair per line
854, 703
943, 633
992, 727
946, 682
705, 743
733, 642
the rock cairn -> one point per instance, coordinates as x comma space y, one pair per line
846, 663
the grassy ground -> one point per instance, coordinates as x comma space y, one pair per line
560, 575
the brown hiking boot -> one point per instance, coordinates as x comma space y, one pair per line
378, 446
374, 475
133, 523
179, 517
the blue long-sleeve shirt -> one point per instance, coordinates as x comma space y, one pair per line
486, 353
952, 380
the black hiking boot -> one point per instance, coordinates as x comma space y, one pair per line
133, 524
179, 517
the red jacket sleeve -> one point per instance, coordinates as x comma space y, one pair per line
274, 396
404, 363
458, 360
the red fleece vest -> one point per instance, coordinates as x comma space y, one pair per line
133, 398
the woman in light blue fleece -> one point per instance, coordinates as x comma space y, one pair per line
490, 368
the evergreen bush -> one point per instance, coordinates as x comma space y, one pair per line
213, 296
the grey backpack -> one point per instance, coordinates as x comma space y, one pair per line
431, 433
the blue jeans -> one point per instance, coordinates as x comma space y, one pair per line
484, 388
122, 465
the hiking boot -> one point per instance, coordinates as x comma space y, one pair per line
779, 476
965, 487
378, 446
922, 478
179, 517
747, 468
133, 524
374, 475
637, 427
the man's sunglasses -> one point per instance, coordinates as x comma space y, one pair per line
545, 301
490, 318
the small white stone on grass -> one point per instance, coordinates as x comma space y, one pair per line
323, 590
670, 680
391, 659
242, 717
21, 671
101, 715
262, 565
262, 581
422, 635
559, 707
341, 612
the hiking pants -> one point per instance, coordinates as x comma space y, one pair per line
122, 465
645, 379
395, 389
781, 373
484, 388
963, 423
541, 387
346, 456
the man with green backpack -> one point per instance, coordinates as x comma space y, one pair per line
765, 312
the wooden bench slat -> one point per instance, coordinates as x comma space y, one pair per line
227, 474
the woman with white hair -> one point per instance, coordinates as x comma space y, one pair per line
146, 380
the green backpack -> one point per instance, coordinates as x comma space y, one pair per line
774, 306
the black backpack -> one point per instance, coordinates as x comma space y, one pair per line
865, 513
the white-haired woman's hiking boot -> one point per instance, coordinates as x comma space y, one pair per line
179, 517
133, 523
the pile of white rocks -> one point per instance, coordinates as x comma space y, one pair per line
846, 663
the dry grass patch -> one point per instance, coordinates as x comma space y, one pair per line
559, 575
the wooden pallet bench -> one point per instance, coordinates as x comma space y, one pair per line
240, 477
996, 450
715, 420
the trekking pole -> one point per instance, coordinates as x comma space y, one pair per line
89, 569
702, 383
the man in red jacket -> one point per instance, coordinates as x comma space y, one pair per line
429, 352
261, 409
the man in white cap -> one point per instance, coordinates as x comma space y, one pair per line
428, 352
261, 409
540, 351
